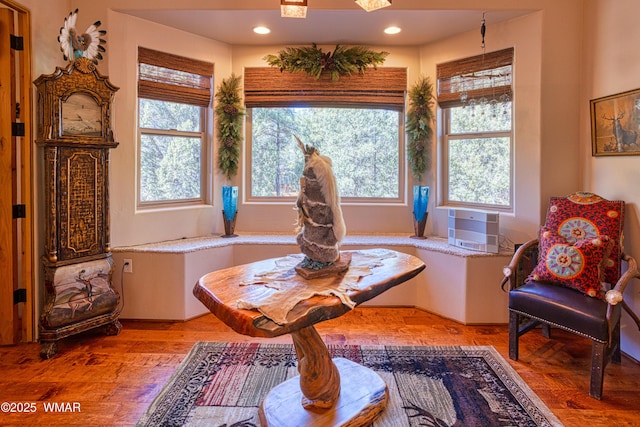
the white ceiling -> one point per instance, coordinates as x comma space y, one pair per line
324, 26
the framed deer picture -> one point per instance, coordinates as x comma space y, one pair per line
615, 124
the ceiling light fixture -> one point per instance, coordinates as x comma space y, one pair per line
293, 8
370, 5
392, 30
261, 30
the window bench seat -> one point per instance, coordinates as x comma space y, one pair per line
458, 284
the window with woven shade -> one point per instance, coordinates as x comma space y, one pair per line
167, 77
476, 98
486, 76
379, 87
357, 121
174, 94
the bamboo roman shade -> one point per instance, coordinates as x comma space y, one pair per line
484, 76
378, 87
172, 78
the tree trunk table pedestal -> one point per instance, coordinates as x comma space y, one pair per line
328, 392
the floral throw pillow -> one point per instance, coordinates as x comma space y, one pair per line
584, 215
578, 265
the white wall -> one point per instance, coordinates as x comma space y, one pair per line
525, 35
128, 225
611, 66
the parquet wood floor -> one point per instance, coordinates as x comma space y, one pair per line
112, 379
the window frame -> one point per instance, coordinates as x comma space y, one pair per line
205, 149
378, 87
444, 161
486, 77
402, 174
165, 77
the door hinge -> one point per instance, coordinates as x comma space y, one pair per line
20, 295
17, 129
17, 42
19, 211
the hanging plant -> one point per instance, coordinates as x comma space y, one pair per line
313, 61
420, 127
229, 115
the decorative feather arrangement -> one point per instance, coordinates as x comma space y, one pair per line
88, 44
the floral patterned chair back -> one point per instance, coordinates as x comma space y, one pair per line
585, 215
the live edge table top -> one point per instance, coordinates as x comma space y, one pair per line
220, 291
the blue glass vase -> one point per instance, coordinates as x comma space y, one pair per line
229, 209
420, 206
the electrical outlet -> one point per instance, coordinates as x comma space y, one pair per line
128, 265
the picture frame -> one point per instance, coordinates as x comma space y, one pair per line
615, 124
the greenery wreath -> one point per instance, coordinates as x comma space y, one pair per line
313, 61
229, 115
419, 126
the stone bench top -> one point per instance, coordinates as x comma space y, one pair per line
193, 244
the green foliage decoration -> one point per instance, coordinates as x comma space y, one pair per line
313, 61
229, 115
419, 127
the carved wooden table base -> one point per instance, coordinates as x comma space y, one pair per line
333, 392
319, 377
328, 392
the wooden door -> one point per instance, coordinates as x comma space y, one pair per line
16, 273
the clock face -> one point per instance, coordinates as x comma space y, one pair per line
81, 115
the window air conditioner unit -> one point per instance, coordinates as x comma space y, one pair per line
474, 230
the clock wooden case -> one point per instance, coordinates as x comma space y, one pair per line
74, 129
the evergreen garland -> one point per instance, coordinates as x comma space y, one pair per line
419, 127
229, 115
313, 61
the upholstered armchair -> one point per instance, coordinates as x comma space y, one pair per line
572, 278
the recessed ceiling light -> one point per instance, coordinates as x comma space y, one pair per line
261, 30
392, 30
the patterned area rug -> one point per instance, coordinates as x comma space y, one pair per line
223, 384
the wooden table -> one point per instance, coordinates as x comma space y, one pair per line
333, 392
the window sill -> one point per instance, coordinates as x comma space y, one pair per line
435, 244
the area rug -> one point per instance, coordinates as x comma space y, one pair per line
223, 384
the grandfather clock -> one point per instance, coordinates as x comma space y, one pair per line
74, 129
